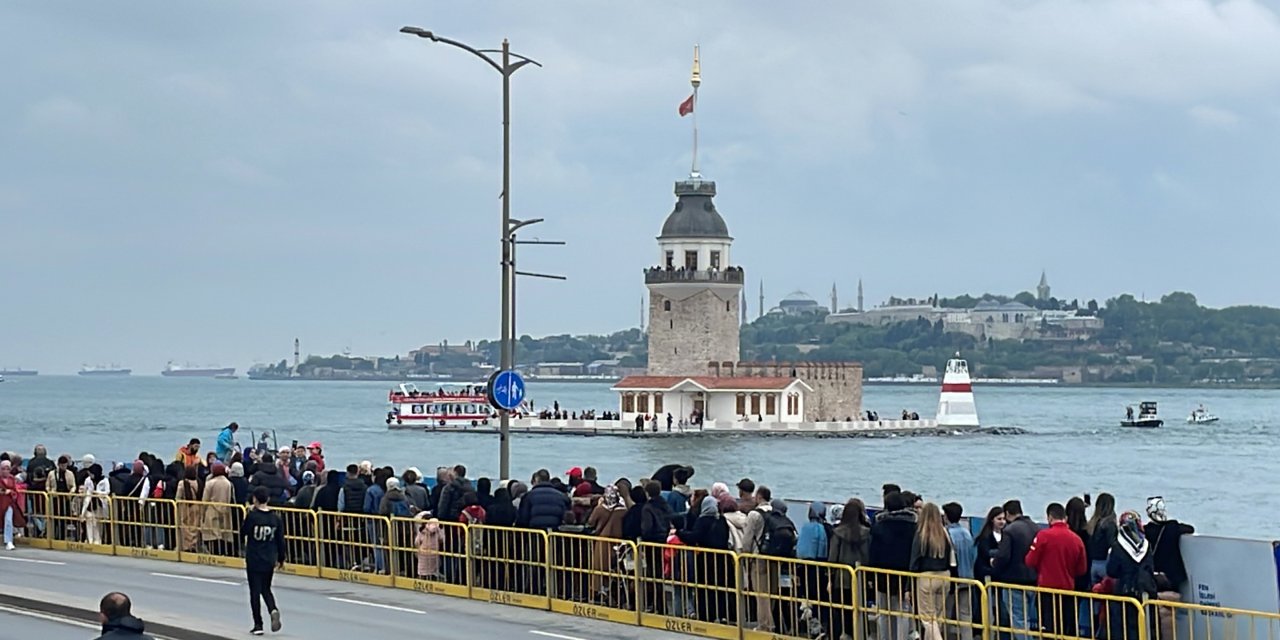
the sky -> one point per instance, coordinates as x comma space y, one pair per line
205, 182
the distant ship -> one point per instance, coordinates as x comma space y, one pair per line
104, 371
13, 373
173, 370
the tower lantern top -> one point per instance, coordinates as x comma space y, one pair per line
696, 78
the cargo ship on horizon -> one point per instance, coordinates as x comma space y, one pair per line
13, 373
104, 371
177, 371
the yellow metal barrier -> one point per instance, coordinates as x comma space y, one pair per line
593, 577
80, 522
793, 598
37, 533
145, 528
896, 604
429, 556
354, 548
209, 533
508, 566
1173, 620
1023, 612
302, 546
689, 590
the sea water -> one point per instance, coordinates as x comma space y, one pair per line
1217, 477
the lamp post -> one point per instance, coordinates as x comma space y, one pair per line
506, 67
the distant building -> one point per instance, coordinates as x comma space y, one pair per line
798, 303
1042, 289
988, 319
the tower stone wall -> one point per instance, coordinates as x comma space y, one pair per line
689, 327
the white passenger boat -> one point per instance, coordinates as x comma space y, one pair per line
1201, 416
1147, 417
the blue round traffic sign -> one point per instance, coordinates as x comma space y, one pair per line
506, 390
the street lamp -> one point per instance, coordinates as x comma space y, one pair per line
506, 67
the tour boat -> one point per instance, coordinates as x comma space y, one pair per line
451, 406
1147, 417
1200, 416
956, 407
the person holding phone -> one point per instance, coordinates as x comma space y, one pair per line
264, 551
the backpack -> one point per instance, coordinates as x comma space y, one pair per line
157, 490
778, 537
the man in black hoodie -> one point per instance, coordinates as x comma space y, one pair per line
264, 550
116, 613
890, 548
1010, 567
268, 477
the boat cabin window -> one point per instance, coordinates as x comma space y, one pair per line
417, 409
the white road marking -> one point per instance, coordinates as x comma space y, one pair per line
380, 606
195, 579
33, 561
51, 618
552, 635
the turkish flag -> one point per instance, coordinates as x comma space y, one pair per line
686, 107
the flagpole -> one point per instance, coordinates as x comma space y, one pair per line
696, 81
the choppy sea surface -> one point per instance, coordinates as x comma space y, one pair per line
1220, 478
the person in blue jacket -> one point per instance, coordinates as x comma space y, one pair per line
226, 443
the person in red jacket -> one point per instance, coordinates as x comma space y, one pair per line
1058, 556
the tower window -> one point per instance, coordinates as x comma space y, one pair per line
715, 259
726, 306
671, 324
666, 305
671, 258
691, 260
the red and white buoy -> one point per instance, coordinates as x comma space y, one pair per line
956, 407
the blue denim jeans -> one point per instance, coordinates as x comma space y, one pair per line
1021, 606
8, 525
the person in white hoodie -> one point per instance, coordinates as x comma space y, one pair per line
94, 507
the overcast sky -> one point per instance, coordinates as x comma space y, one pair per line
204, 182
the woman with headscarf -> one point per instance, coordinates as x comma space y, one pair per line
606, 522
712, 570
190, 513
93, 509
11, 501
1132, 566
217, 530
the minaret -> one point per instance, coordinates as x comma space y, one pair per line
296, 351
1042, 289
835, 307
642, 312
860, 309
695, 297
761, 307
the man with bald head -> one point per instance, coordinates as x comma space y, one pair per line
116, 614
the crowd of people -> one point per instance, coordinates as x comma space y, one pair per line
1078, 553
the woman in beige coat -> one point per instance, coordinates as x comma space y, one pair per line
190, 512
606, 521
218, 528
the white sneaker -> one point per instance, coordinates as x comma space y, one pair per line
9, 546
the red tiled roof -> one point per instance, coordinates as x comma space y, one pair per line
708, 382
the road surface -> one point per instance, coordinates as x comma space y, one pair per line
19, 624
215, 601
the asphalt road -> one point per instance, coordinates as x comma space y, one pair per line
18, 624
215, 600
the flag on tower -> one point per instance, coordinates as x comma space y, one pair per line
686, 107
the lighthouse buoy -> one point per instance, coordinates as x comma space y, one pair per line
956, 407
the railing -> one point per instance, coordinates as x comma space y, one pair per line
732, 275
693, 590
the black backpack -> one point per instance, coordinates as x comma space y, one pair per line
778, 537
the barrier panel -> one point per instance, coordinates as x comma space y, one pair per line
1023, 612
80, 522
508, 566
145, 528
302, 547
593, 577
791, 598
37, 512
897, 604
208, 533
689, 590
353, 548
429, 556
1172, 620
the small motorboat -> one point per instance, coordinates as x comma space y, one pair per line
1201, 416
1147, 417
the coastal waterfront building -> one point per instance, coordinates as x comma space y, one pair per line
986, 320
